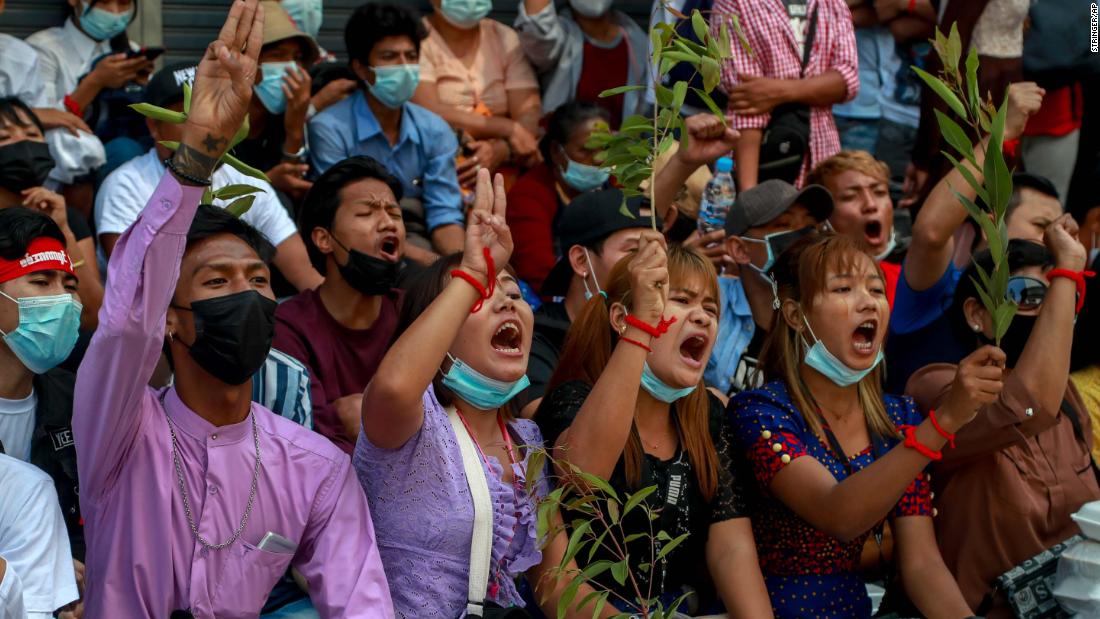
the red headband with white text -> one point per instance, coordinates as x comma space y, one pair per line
43, 254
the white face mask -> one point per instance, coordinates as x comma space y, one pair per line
590, 8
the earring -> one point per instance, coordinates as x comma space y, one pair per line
622, 330
976, 328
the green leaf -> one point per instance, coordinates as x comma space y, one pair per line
170, 145
567, 596
690, 47
618, 90
711, 105
575, 542
634, 536
667, 548
207, 196
679, 91
736, 20
1002, 319
679, 601
158, 113
998, 178
600, 603
663, 536
186, 98
241, 134
592, 595
954, 48
974, 98
536, 469
244, 168
598, 482
699, 25
681, 56
725, 45
985, 220
636, 498
941, 89
235, 191
613, 511
712, 74
619, 571
594, 569
664, 95
955, 136
978, 188
240, 206
596, 545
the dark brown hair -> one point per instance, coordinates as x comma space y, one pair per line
588, 348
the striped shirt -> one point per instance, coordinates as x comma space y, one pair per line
775, 54
282, 386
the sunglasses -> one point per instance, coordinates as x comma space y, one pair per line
1027, 292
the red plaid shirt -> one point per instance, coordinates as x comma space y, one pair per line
775, 54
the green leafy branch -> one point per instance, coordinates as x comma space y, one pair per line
983, 121
244, 194
599, 526
629, 154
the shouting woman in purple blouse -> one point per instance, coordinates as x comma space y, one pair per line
464, 338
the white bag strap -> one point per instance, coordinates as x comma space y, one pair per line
481, 544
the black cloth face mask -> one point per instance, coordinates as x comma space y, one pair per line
369, 275
1015, 338
233, 334
24, 164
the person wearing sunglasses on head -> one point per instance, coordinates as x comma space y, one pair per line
1006, 491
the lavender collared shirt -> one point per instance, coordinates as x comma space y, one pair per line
143, 560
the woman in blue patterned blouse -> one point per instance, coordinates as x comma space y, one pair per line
832, 455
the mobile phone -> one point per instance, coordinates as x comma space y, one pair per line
273, 542
150, 53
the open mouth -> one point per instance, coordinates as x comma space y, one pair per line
389, 249
508, 338
863, 338
692, 349
872, 231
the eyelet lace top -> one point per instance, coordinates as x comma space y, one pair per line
423, 516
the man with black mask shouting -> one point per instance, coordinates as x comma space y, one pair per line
355, 236
196, 499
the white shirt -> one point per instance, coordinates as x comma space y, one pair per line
33, 539
11, 596
19, 72
124, 193
65, 54
17, 426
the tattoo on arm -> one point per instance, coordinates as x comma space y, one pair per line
190, 161
214, 144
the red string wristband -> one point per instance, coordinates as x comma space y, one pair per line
912, 443
944, 433
653, 331
1078, 278
484, 292
636, 343
72, 105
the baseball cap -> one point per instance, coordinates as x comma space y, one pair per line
772, 198
165, 87
591, 217
278, 26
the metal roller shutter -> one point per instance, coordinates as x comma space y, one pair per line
24, 17
189, 25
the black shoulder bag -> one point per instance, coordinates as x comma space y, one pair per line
786, 140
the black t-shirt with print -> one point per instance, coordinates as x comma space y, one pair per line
693, 513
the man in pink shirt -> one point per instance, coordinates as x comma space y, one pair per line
195, 498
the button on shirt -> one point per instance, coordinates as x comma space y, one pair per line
142, 559
423, 158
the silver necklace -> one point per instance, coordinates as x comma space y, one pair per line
187, 504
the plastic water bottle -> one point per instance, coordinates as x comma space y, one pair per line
718, 197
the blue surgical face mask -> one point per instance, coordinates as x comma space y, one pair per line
101, 24
819, 358
478, 389
465, 14
581, 176
660, 389
587, 292
47, 332
394, 84
270, 88
307, 15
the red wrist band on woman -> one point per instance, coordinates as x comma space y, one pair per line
912, 443
72, 105
1078, 278
653, 331
629, 340
484, 292
944, 433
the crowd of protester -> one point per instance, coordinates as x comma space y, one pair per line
439, 310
